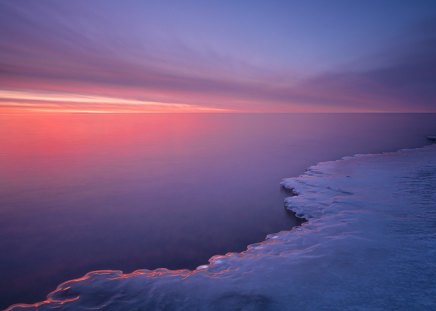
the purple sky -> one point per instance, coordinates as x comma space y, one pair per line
273, 56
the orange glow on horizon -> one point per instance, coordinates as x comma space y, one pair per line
25, 101
19, 102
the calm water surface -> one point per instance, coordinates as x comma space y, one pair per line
88, 192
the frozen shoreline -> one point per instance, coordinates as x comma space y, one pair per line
369, 244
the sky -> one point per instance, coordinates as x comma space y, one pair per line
217, 56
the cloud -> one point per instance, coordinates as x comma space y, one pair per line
56, 49
405, 79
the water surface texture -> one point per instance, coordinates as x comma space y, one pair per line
86, 192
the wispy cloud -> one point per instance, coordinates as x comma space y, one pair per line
56, 57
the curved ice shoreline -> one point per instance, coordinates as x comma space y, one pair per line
369, 244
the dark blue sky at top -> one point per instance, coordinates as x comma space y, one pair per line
242, 55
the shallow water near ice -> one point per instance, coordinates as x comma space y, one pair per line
81, 193
369, 244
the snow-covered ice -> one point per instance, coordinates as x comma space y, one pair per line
369, 244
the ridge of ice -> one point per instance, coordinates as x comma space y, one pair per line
369, 244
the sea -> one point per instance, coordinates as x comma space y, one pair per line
84, 192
